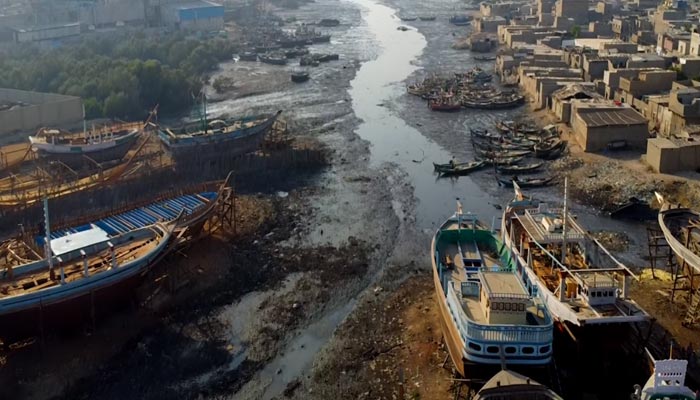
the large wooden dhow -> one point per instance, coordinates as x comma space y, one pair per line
681, 229
487, 315
232, 137
93, 265
582, 283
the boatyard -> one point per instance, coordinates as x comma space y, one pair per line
308, 228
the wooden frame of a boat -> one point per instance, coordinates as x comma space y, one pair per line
575, 290
83, 262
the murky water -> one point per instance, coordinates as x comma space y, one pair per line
380, 82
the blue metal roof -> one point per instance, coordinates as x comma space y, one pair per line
118, 224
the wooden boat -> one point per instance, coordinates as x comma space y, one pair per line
329, 22
502, 160
525, 182
444, 104
484, 134
493, 104
273, 59
89, 263
460, 20
459, 169
507, 385
109, 143
486, 314
427, 18
581, 281
502, 154
667, 381
403, 28
248, 56
407, 18
550, 150
500, 145
485, 58
94, 264
681, 229
328, 57
298, 52
300, 77
519, 169
232, 136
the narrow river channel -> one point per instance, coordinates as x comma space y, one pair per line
380, 82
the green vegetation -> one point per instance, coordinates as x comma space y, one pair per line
576, 31
118, 77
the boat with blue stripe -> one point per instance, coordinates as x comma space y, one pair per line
488, 316
58, 279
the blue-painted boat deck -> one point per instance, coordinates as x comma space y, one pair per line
163, 211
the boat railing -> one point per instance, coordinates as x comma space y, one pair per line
496, 333
521, 296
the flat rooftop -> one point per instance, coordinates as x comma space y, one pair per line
502, 283
594, 118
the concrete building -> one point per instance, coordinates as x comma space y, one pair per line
562, 98
101, 13
666, 155
689, 66
30, 110
199, 15
574, 9
612, 77
489, 24
45, 33
646, 83
596, 124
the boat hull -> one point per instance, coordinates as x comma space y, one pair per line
75, 156
64, 306
231, 144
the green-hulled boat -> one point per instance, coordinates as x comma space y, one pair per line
487, 314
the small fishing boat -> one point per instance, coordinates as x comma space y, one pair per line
519, 169
485, 58
525, 182
298, 52
459, 169
486, 314
248, 56
510, 385
551, 149
484, 134
427, 18
403, 28
299, 77
501, 160
582, 283
328, 57
273, 59
407, 18
494, 103
329, 22
502, 154
445, 104
98, 145
460, 20
667, 381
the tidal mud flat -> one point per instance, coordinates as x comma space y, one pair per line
326, 293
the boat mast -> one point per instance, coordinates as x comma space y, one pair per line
204, 111
85, 132
47, 237
563, 231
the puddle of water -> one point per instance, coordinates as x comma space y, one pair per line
380, 82
301, 352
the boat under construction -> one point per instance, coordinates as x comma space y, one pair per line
232, 136
96, 146
56, 278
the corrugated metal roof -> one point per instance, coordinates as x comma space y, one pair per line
611, 117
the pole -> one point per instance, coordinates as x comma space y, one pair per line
563, 243
47, 237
